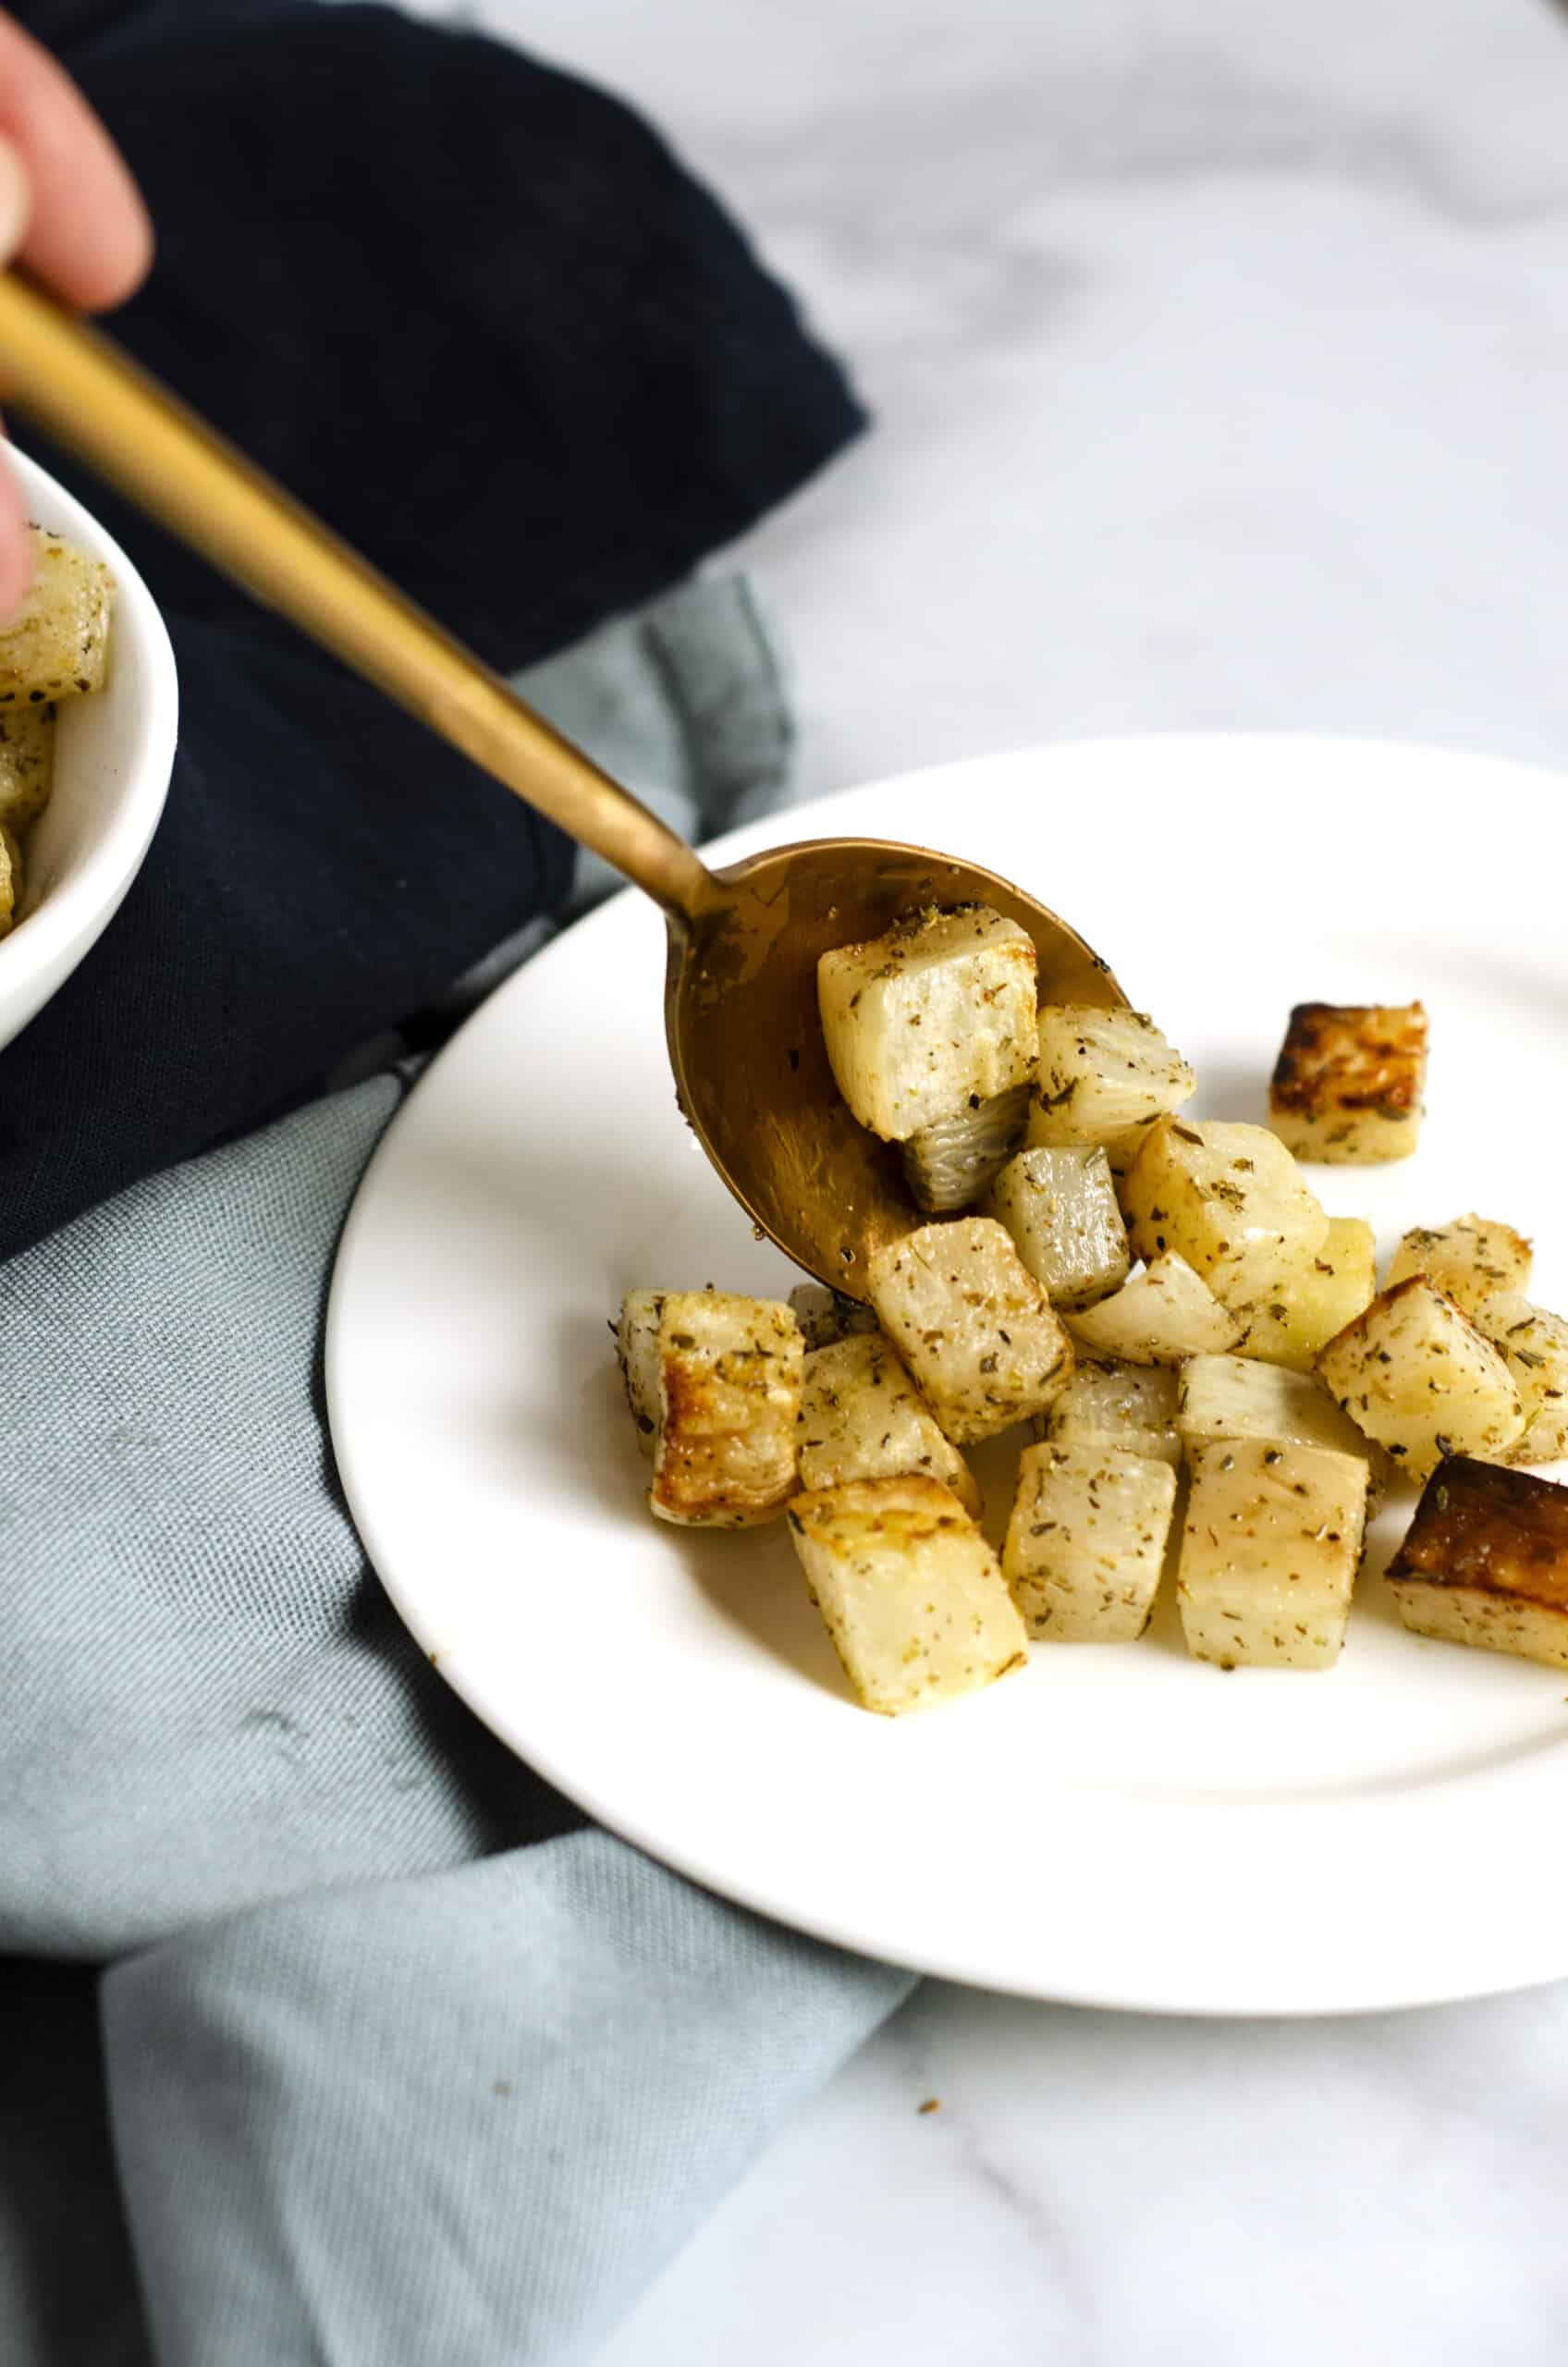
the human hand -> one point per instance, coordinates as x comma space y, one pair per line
69, 212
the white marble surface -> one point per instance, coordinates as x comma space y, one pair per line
1217, 348
1219, 352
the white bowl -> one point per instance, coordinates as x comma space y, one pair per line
113, 760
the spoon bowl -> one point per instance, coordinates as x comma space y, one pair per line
746, 1044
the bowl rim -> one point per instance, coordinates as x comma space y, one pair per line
50, 941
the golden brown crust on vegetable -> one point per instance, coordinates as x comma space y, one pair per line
729, 1373
1490, 1530
1348, 1082
1352, 1056
906, 1506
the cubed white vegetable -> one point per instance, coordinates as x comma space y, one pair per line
861, 1418
1101, 1075
1159, 1316
57, 643
730, 1371
1232, 1397
940, 1008
1061, 1207
1471, 1259
1533, 1345
637, 1353
911, 1593
948, 1164
27, 762
1229, 1199
972, 1323
1086, 1541
825, 1316
1415, 1374
1317, 1298
1129, 1406
1269, 1552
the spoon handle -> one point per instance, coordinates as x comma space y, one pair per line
136, 435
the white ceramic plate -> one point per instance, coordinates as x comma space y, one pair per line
1118, 1825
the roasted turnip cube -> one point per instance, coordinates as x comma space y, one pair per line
1314, 1298
861, 1418
1232, 1397
1229, 1199
911, 1594
1533, 1345
637, 1353
1471, 1259
1086, 1541
1269, 1552
1348, 1082
1101, 1075
1060, 1206
1415, 1374
825, 1316
27, 762
1486, 1561
1131, 1407
940, 1008
947, 1164
730, 1370
972, 1323
58, 642
1160, 1317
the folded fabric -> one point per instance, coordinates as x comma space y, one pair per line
460, 2121
461, 2116
476, 315
224, 1762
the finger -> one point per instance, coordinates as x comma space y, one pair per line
87, 236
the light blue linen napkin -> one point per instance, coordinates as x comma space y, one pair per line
398, 2065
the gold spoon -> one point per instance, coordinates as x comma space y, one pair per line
751, 1068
